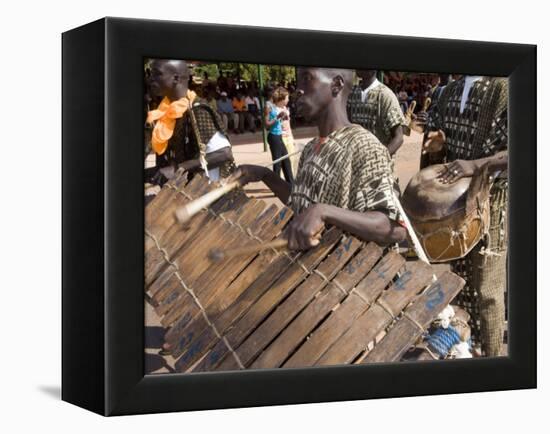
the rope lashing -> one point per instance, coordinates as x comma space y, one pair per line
442, 340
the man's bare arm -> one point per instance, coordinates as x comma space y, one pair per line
368, 226
396, 139
465, 168
251, 173
214, 159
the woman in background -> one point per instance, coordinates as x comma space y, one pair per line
274, 117
288, 138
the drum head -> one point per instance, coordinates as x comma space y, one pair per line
427, 198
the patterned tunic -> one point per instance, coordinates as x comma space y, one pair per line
379, 114
352, 171
481, 129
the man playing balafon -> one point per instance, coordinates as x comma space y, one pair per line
344, 176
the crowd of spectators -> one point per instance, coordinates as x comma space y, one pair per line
238, 102
413, 87
239, 106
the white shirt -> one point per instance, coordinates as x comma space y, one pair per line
469, 80
217, 141
248, 100
365, 92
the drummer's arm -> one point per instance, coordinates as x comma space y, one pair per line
496, 163
452, 172
213, 159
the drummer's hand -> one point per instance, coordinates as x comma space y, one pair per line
248, 173
304, 230
452, 172
435, 142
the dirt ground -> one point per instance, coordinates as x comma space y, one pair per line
248, 148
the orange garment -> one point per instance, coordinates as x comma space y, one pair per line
239, 105
166, 115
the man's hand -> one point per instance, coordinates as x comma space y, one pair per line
304, 230
168, 172
419, 121
434, 143
452, 172
248, 173
421, 118
186, 166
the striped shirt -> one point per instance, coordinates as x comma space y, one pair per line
379, 114
481, 128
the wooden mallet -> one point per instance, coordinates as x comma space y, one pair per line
410, 111
413, 125
190, 209
186, 212
218, 254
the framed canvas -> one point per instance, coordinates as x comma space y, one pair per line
227, 351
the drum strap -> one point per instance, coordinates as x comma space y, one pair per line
202, 146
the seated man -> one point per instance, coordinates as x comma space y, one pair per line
253, 107
186, 134
211, 99
344, 176
241, 109
226, 112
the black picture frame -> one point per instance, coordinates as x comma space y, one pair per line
103, 221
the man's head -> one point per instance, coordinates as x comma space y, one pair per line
223, 96
367, 76
445, 79
169, 78
322, 88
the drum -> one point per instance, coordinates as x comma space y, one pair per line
328, 305
449, 219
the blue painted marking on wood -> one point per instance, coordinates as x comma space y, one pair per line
188, 355
435, 296
184, 341
353, 265
399, 285
280, 216
382, 267
181, 324
216, 355
347, 244
171, 298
